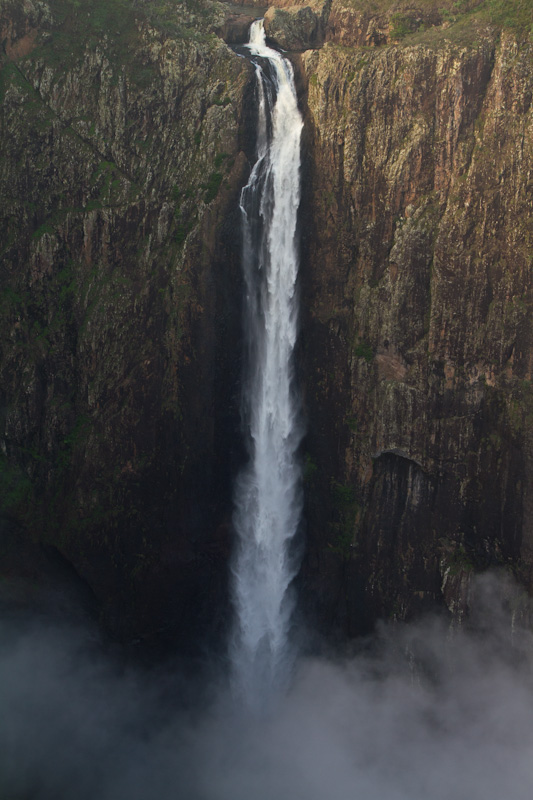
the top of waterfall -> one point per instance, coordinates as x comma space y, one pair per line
257, 33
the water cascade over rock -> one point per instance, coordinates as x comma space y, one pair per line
268, 491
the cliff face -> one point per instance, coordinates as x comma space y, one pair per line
120, 299
124, 138
418, 309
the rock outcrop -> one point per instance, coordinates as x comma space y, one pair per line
297, 27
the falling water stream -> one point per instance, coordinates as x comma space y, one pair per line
268, 491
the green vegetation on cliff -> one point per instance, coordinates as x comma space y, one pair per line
408, 16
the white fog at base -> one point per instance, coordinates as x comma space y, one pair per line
425, 713
268, 492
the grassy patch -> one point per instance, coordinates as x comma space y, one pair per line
221, 101
77, 434
15, 486
462, 20
343, 495
115, 26
181, 234
351, 422
364, 350
212, 186
459, 19
460, 561
107, 180
81, 25
310, 469
46, 227
10, 300
186, 19
348, 512
402, 25
219, 159
515, 14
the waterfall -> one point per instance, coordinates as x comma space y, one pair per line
268, 491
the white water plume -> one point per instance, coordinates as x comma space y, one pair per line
268, 492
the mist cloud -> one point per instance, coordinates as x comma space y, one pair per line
421, 712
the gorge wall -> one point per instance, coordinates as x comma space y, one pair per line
125, 140
121, 164
419, 332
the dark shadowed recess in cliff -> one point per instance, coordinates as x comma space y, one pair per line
392, 568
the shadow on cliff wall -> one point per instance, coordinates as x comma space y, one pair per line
419, 713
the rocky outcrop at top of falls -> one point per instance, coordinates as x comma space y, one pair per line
126, 136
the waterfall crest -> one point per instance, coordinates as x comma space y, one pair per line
268, 492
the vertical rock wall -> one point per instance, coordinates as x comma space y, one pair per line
418, 338
119, 174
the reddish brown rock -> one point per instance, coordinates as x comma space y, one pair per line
418, 308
